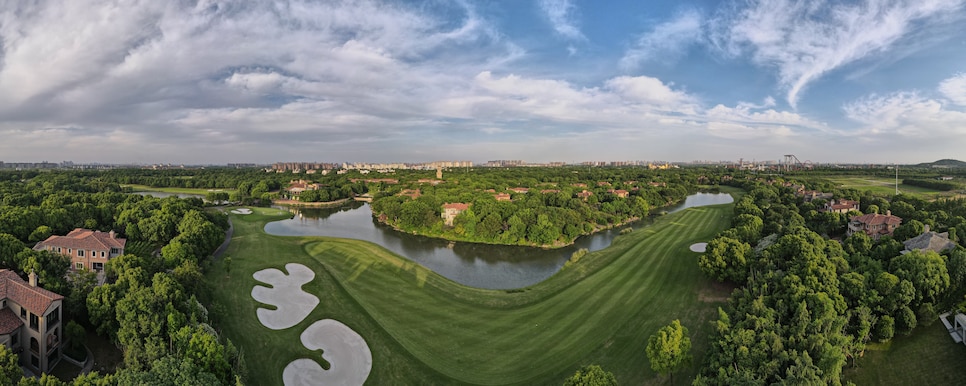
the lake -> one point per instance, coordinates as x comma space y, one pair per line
471, 264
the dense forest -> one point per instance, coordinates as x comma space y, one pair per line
807, 305
149, 305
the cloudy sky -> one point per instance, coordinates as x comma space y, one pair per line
545, 80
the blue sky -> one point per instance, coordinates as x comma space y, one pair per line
543, 80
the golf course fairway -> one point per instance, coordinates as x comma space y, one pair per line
425, 329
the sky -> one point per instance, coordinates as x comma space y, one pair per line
183, 81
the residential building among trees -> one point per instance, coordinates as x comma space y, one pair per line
874, 225
87, 249
30, 321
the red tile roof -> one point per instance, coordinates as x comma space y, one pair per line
457, 206
502, 196
877, 219
9, 322
85, 239
35, 299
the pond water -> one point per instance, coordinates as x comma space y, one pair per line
166, 194
472, 264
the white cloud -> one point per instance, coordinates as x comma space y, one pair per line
561, 14
804, 40
651, 91
906, 114
667, 41
954, 89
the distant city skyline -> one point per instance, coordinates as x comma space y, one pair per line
866, 81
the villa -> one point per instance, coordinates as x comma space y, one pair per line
87, 249
840, 206
450, 211
873, 224
30, 321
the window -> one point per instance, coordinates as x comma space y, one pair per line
78, 265
80, 253
23, 313
58, 250
34, 322
34, 345
102, 254
34, 361
15, 338
53, 317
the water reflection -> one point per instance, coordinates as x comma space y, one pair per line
166, 194
472, 264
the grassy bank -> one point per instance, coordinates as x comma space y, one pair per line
425, 329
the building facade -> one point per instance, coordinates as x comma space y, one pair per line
30, 321
874, 225
87, 249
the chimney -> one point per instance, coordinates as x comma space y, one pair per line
33, 279
888, 213
112, 234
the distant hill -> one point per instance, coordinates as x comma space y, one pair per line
944, 163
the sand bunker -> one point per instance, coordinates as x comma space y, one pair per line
350, 360
241, 211
699, 247
292, 304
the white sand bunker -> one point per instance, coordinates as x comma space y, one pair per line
699, 247
241, 211
292, 304
350, 360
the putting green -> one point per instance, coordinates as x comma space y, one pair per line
423, 328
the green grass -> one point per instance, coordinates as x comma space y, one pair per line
199, 191
885, 186
927, 357
425, 329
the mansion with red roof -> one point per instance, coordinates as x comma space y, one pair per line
30, 321
450, 211
873, 224
87, 249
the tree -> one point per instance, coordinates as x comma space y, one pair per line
591, 375
884, 328
75, 335
10, 371
927, 272
908, 230
726, 259
669, 349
